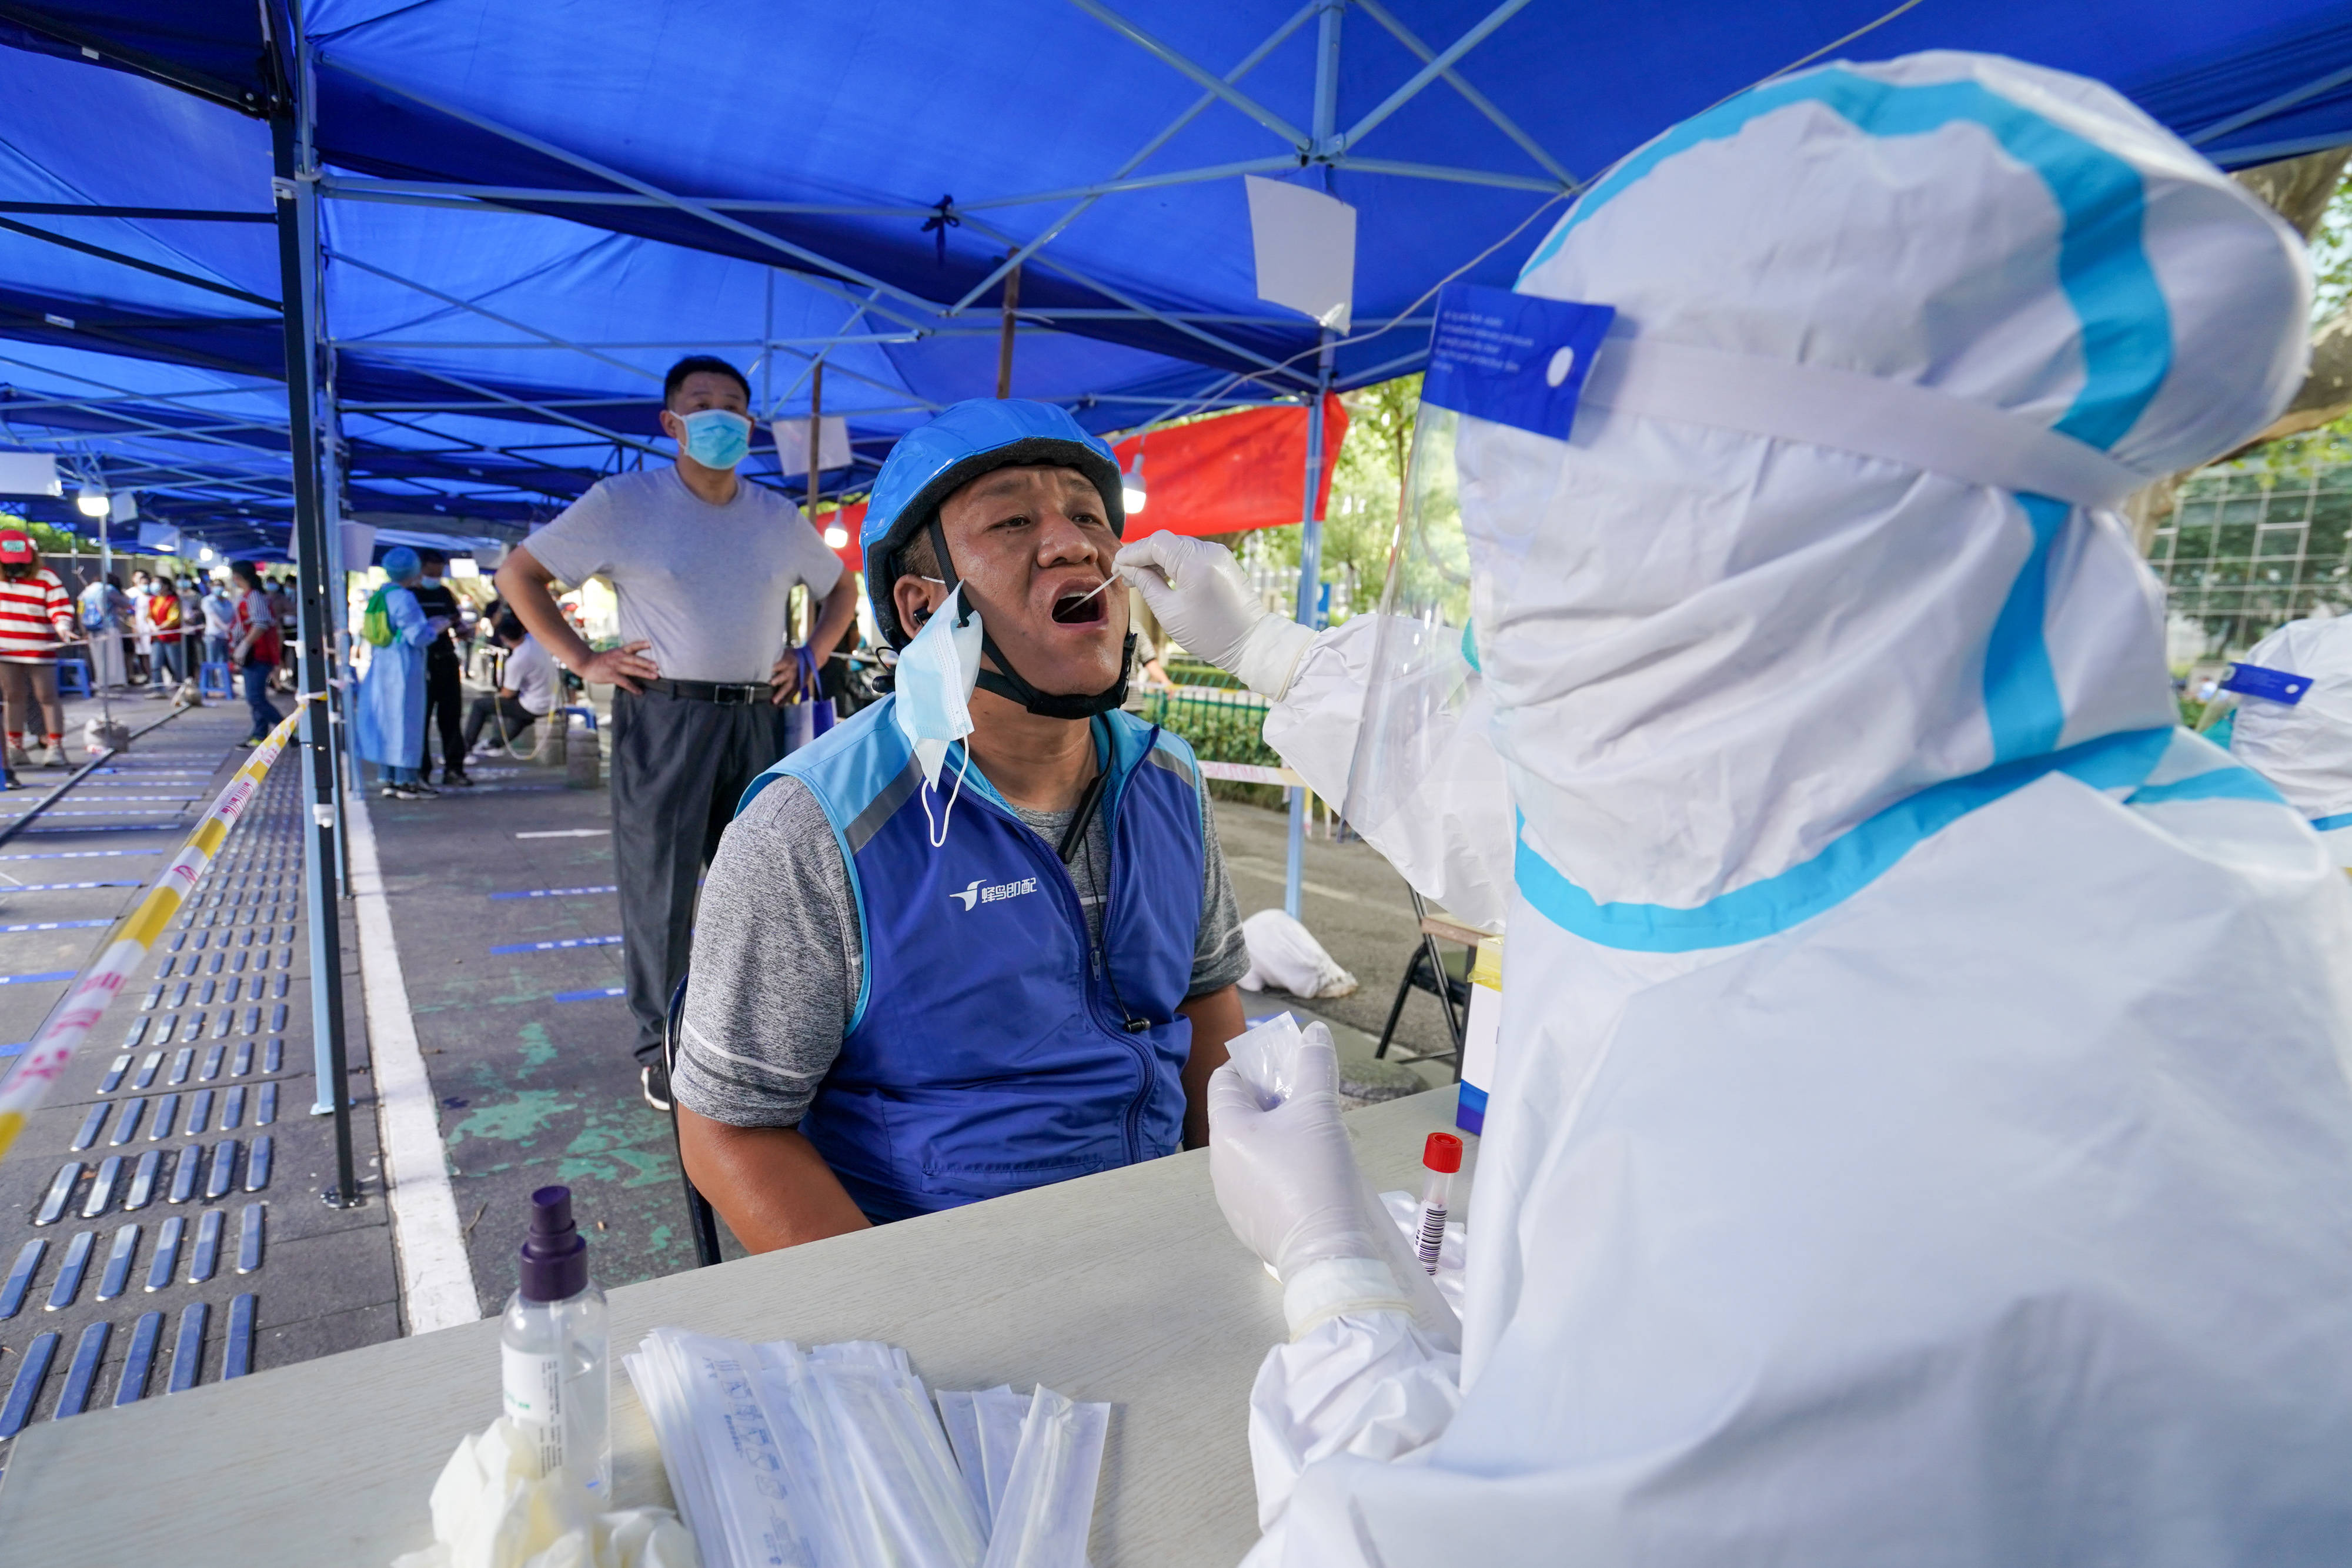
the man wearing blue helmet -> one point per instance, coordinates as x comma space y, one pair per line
980, 937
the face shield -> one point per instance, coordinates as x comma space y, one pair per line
1497, 403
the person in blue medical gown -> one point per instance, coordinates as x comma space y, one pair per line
388, 728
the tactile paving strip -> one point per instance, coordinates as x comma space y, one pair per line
167, 1126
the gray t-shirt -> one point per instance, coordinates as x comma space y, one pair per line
776, 954
709, 587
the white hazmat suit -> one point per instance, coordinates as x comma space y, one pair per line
2305, 747
1921, 1132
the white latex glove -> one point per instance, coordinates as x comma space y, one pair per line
1198, 592
1286, 1180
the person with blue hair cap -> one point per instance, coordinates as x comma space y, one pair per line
388, 725
978, 937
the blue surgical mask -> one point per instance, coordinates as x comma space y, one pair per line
432, 582
716, 437
936, 673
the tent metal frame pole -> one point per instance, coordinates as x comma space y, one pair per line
347, 259
147, 428
379, 345
297, 249
1450, 175
1479, 32
1141, 309
549, 412
1470, 94
1249, 62
2278, 105
10, 407
1177, 60
644, 188
332, 452
1310, 523
162, 429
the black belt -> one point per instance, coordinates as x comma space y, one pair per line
721, 692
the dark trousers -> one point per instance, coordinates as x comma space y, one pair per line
256, 697
678, 768
514, 719
445, 700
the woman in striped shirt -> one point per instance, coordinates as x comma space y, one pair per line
37, 615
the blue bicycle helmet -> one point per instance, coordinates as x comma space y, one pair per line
932, 461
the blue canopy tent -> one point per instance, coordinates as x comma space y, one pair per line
531, 209
493, 223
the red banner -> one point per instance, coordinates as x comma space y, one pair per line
1222, 476
1230, 474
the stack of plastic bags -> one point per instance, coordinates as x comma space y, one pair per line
491, 1510
832, 1458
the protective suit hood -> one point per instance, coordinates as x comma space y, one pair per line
1730, 652
1920, 1128
2305, 749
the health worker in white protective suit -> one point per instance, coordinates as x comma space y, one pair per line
2303, 747
1921, 1132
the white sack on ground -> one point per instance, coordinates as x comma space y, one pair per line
1285, 956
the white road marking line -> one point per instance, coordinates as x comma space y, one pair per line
568, 833
437, 1281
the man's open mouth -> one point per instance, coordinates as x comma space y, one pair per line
1080, 607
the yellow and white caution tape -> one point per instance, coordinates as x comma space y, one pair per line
44, 1061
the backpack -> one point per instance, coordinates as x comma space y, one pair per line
375, 623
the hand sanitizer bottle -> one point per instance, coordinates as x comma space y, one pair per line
552, 1343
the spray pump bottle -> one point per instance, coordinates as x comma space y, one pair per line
554, 1353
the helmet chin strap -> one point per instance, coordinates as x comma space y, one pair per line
1007, 682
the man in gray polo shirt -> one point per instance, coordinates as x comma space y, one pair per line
704, 566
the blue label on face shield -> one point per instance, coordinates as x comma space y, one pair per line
2276, 685
1515, 358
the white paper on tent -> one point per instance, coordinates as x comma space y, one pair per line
123, 506
359, 546
29, 473
1304, 243
792, 444
161, 539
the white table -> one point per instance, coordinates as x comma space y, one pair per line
1126, 1287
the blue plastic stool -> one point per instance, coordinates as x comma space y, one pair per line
207, 675
585, 712
73, 677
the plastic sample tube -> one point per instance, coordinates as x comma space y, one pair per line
1440, 1157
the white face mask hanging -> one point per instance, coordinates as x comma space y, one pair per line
936, 673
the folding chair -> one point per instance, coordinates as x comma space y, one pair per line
1427, 971
702, 1219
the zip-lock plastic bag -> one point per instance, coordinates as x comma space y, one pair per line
1048, 1508
832, 1457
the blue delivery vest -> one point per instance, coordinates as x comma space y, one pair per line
987, 1052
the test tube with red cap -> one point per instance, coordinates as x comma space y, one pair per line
1440, 1157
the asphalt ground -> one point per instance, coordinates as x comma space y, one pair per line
215, 1074
1353, 902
